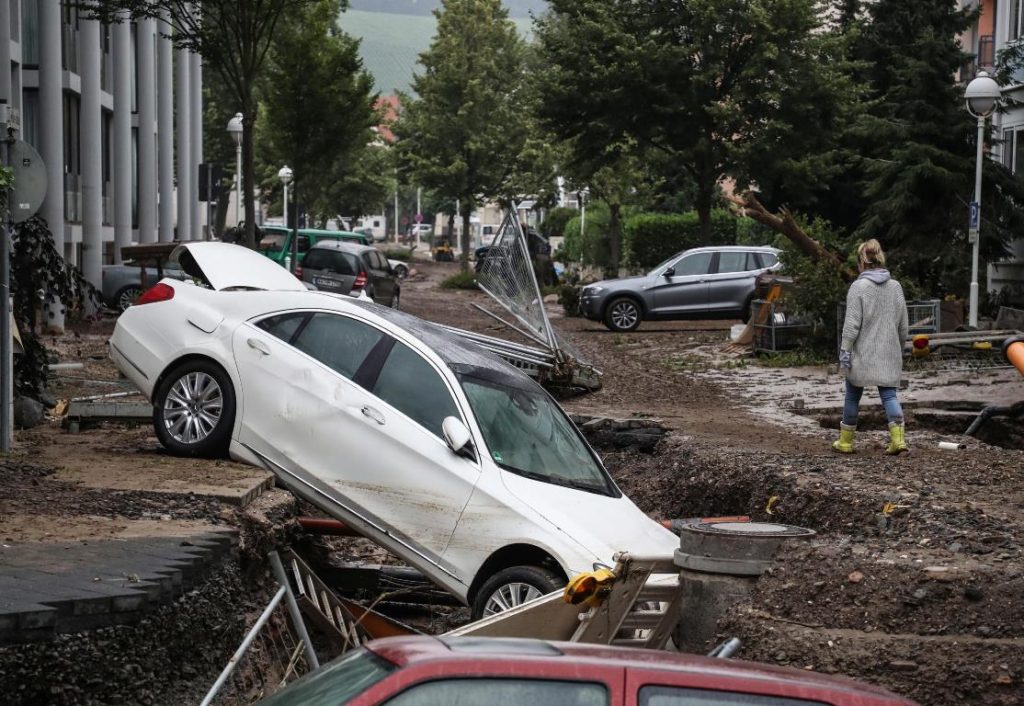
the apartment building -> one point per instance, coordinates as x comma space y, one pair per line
116, 114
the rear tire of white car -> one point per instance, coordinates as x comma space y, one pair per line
512, 587
623, 315
194, 410
401, 272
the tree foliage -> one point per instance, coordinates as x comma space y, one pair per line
464, 133
723, 87
318, 107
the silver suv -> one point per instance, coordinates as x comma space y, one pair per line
703, 283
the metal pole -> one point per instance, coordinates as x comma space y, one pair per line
209, 200
419, 212
293, 610
972, 319
240, 652
238, 183
285, 205
396, 205
295, 238
6, 343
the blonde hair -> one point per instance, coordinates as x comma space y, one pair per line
870, 255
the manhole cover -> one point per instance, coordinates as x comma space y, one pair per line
748, 529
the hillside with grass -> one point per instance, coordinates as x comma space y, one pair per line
392, 41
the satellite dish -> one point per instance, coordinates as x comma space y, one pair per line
29, 187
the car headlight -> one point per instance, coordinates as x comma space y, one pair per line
592, 290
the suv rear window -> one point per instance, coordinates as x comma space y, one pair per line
342, 263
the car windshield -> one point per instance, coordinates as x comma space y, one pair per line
272, 241
335, 683
342, 263
526, 433
661, 267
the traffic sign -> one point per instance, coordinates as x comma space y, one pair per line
975, 219
29, 187
418, 218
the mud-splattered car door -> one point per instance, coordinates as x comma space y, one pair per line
309, 404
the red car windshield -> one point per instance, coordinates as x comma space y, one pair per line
335, 683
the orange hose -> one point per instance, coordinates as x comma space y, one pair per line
1015, 354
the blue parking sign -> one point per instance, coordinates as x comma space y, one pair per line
975, 216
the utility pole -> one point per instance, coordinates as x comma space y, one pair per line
6, 343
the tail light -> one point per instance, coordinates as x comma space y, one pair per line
360, 281
159, 292
298, 271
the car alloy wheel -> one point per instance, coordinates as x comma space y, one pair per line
128, 296
194, 409
512, 587
623, 315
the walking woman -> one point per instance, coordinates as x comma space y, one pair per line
871, 353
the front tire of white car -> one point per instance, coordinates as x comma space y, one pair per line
512, 587
194, 410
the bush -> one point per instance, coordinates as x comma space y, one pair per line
591, 247
462, 280
569, 298
650, 238
554, 223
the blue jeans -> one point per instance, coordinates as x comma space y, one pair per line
851, 406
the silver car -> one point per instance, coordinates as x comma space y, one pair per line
703, 283
347, 268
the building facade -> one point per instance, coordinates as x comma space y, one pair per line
116, 114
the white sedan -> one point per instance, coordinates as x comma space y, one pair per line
449, 457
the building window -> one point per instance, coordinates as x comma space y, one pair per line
1013, 28
30, 33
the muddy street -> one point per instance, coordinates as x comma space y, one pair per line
913, 580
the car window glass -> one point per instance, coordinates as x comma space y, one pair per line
411, 385
334, 683
283, 326
732, 262
696, 264
272, 241
378, 261
338, 342
502, 692
303, 243
341, 263
769, 259
672, 696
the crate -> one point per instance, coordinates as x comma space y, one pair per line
774, 330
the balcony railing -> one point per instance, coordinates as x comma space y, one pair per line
983, 60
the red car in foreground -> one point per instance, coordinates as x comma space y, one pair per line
467, 671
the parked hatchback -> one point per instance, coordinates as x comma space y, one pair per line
703, 283
345, 268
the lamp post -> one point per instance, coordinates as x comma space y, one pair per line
982, 96
235, 129
285, 174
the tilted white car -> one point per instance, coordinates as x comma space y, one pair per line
449, 457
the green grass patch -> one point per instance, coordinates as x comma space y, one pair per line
462, 280
403, 254
795, 359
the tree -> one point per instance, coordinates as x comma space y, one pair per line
233, 38
318, 103
463, 132
720, 86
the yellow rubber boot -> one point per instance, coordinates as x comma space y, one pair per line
844, 444
897, 440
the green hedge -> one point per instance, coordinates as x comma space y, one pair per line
591, 247
651, 238
555, 221
462, 280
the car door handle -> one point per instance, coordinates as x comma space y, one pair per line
258, 345
373, 414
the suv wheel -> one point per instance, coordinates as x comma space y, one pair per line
194, 410
512, 587
623, 314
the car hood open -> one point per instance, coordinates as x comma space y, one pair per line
229, 266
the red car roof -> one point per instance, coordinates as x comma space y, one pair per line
408, 651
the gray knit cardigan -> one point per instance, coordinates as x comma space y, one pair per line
874, 331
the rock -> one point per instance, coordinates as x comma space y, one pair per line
551, 299
27, 413
973, 593
48, 400
903, 665
956, 547
855, 577
940, 573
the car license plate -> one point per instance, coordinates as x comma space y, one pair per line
324, 282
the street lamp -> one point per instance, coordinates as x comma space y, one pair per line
235, 129
285, 174
982, 96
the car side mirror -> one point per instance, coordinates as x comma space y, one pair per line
670, 272
457, 436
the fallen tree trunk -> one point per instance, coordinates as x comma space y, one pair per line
784, 223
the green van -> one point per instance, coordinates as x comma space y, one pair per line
276, 242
